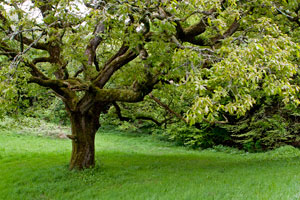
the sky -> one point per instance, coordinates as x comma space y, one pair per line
34, 13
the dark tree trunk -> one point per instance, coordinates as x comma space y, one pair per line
84, 128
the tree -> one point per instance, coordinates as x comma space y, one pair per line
93, 54
60, 53
257, 77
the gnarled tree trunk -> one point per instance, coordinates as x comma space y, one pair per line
84, 128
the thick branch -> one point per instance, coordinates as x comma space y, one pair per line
61, 89
35, 71
195, 29
111, 95
137, 93
189, 34
121, 51
94, 43
231, 30
113, 66
53, 84
42, 59
122, 118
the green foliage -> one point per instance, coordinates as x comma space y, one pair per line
54, 112
260, 62
126, 126
262, 68
185, 135
200, 137
267, 126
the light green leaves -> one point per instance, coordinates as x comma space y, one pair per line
262, 67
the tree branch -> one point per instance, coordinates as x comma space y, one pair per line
113, 66
35, 71
9, 52
17, 59
292, 19
166, 107
111, 95
94, 43
41, 59
121, 51
78, 72
122, 118
61, 89
32, 43
118, 112
23, 39
231, 30
53, 84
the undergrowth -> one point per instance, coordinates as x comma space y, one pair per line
34, 126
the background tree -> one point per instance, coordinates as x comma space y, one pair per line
255, 86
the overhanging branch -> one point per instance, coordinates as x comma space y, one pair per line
53, 84
166, 107
111, 95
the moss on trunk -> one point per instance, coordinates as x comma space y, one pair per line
84, 128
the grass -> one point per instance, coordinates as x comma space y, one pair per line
139, 167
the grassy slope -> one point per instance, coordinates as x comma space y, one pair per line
134, 167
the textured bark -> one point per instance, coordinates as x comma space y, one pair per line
84, 128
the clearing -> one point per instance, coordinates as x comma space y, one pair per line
131, 166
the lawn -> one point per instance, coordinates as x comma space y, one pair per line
131, 166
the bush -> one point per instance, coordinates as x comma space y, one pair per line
203, 137
267, 126
126, 126
53, 111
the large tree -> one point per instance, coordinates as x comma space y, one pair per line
94, 54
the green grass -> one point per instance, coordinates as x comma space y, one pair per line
140, 167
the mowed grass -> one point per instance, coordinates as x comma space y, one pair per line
139, 167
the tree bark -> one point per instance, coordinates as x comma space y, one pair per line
84, 128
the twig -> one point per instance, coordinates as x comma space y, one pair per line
16, 61
167, 108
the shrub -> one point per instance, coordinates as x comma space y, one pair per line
267, 126
204, 137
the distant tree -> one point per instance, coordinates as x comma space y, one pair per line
93, 54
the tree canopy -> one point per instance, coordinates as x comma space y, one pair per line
227, 55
